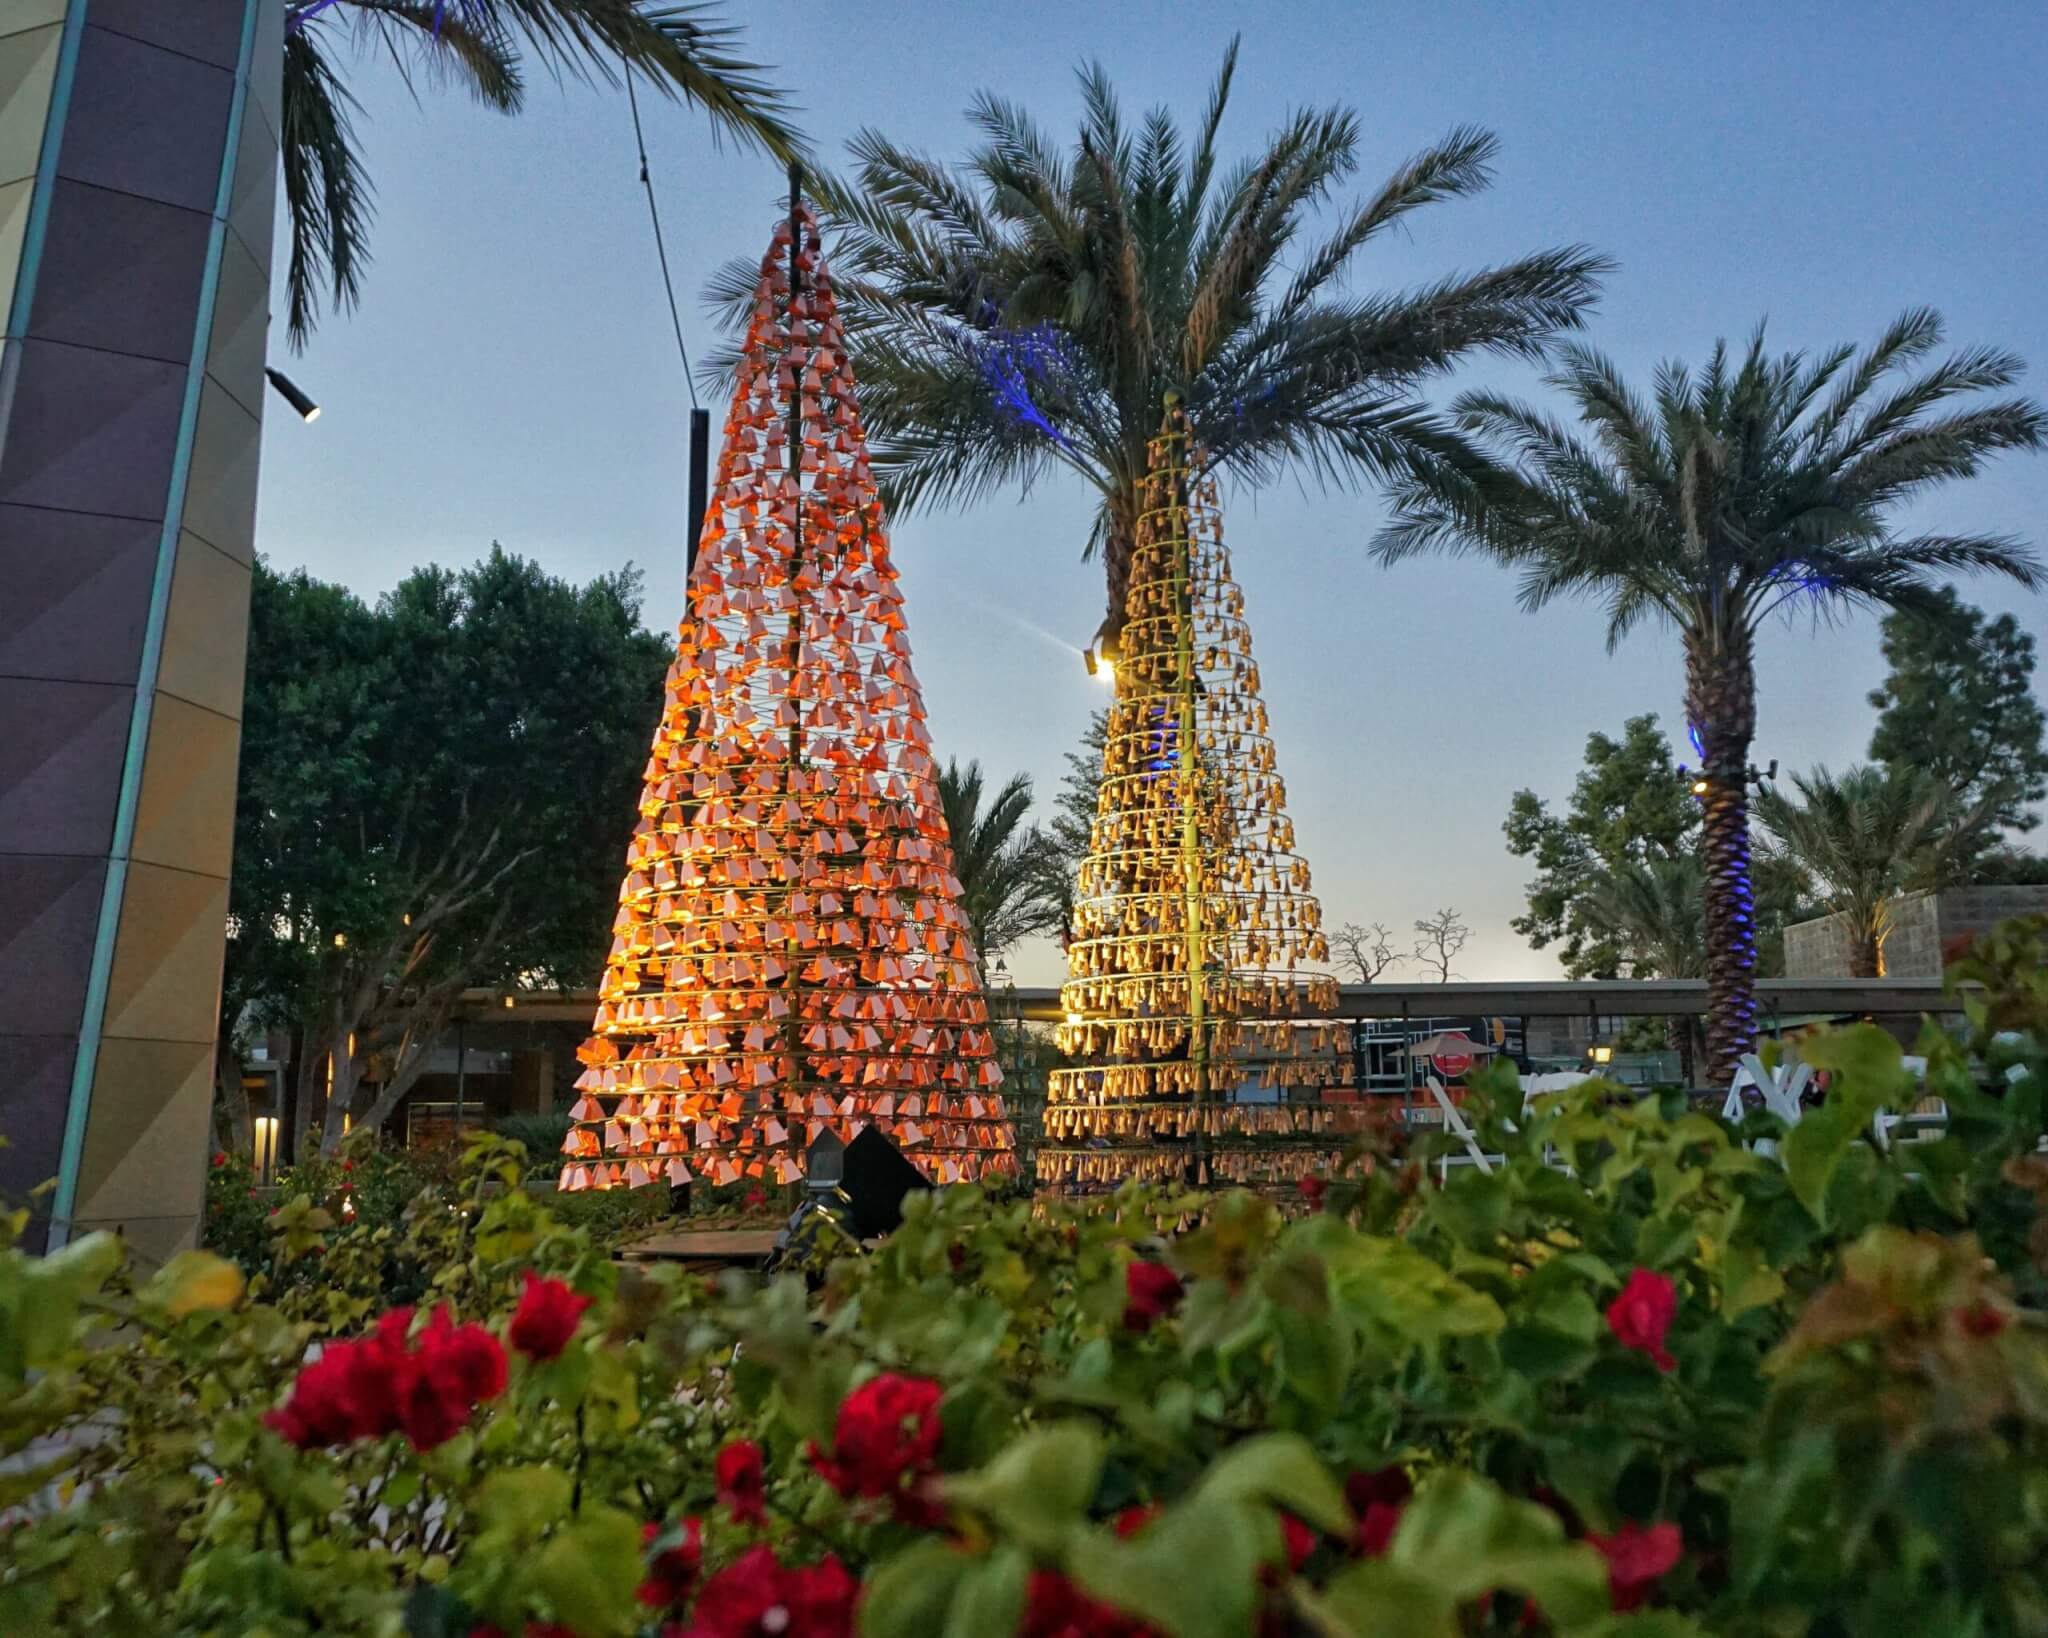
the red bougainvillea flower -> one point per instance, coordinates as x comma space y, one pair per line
454, 1368
1643, 1313
756, 1597
546, 1318
1056, 1608
885, 1442
1151, 1292
742, 1483
1300, 1541
351, 1391
1981, 1320
675, 1556
381, 1384
756, 1198
220, 1157
1133, 1519
1637, 1559
1377, 1498
1312, 1190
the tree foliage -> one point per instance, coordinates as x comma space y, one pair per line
1959, 702
1753, 486
1643, 1377
1023, 313
1008, 868
1870, 834
1628, 809
435, 794
482, 46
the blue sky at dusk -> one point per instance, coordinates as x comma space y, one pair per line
511, 373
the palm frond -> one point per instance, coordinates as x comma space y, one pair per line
327, 197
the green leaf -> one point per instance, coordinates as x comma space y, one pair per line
1038, 1488
195, 1282
1463, 1535
524, 1501
1378, 1599
1747, 1281
1192, 1572
590, 1574
912, 1591
1283, 1469
990, 1596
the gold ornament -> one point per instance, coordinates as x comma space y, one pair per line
1195, 948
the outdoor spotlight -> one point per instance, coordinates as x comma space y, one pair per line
1603, 1054
290, 392
341, 941
508, 1003
1699, 787
1088, 659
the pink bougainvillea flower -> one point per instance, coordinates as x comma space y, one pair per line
546, 1318
1312, 1190
885, 1442
756, 1597
1642, 1314
742, 1482
1637, 1558
1378, 1499
1151, 1292
672, 1569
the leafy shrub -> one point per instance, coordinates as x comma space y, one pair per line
1640, 1381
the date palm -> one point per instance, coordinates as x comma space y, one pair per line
1023, 313
1755, 485
481, 46
1009, 870
1871, 834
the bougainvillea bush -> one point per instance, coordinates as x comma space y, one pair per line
1642, 1380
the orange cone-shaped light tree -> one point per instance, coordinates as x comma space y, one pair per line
790, 953
1193, 1004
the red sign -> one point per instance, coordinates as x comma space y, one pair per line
1454, 1062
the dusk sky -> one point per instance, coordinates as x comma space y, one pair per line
511, 374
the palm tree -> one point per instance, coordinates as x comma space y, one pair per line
1650, 909
1755, 485
1871, 835
1009, 871
1026, 312
478, 44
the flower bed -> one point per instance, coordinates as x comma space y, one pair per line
1678, 1388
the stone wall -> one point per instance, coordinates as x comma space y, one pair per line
1922, 923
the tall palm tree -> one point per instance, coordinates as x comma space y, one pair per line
1650, 909
1870, 835
479, 44
1025, 312
1754, 485
1009, 870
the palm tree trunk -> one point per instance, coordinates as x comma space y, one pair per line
1720, 699
1119, 540
1678, 1037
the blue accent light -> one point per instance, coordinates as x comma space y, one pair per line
1014, 363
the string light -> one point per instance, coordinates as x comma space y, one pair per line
1191, 965
790, 954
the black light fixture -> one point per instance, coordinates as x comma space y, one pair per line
290, 392
1100, 656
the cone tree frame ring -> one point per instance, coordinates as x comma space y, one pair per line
790, 953
1195, 941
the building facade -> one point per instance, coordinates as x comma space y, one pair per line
1923, 924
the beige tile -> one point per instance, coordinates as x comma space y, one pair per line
20, 16
185, 816
165, 984
220, 494
206, 632
143, 1168
28, 68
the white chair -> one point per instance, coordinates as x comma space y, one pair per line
1454, 1122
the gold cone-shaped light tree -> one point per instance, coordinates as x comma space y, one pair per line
790, 953
1192, 998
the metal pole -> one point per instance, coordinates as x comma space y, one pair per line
461, 1072
700, 484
